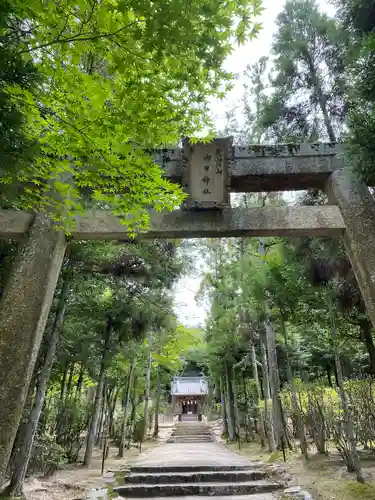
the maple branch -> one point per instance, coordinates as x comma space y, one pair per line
79, 37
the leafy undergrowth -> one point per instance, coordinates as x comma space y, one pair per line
325, 477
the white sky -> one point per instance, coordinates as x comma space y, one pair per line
187, 310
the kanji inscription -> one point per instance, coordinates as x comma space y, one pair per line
206, 173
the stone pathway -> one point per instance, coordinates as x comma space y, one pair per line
197, 455
186, 470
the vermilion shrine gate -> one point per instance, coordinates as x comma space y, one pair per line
208, 173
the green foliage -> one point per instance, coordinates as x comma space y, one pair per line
72, 416
363, 491
47, 456
307, 100
126, 287
139, 426
323, 415
16, 148
361, 150
116, 78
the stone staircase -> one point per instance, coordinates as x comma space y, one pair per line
189, 418
195, 466
183, 481
190, 432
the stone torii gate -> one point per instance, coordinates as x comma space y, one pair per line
208, 173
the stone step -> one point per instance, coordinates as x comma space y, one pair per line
147, 469
195, 477
189, 440
191, 434
188, 489
192, 428
260, 496
191, 425
192, 431
182, 442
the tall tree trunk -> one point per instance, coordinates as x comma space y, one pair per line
126, 409
235, 405
134, 411
111, 410
208, 402
157, 405
336, 377
63, 382
366, 333
224, 407
15, 488
300, 428
353, 464
101, 418
98, 395
266, 390
61, 413
262, 432
275, 382
248, 423
230, 404
70, 380
148, 388
329, 375
21, 428
79, 382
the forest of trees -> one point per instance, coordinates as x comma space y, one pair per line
87, 88
290, 348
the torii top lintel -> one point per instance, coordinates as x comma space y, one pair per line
257, 168
254, 168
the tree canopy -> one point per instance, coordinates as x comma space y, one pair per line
91, 85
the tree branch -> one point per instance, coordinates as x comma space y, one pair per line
78, 38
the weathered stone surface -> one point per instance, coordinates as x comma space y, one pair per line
282, 174
258, 168
268, 221
14, 224
191, 432
196, 455
177, 469
293, 490
257, 496
201, 469
24, 309
323, 220
206, 173
208, 489
198, 476
304, 495
188, 439
358, 211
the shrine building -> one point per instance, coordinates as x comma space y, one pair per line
188, 397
